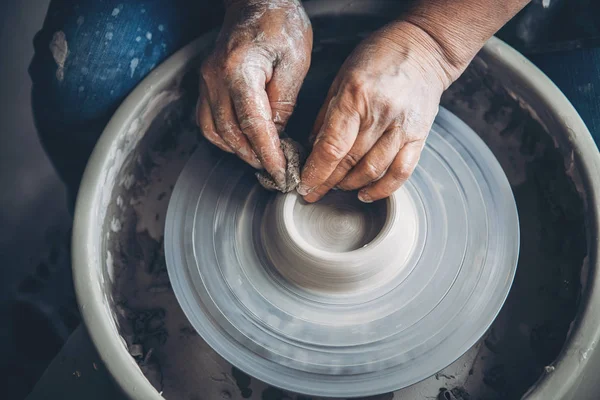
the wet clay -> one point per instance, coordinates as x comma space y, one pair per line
333, 300
295, 156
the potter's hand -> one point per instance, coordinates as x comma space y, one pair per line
374, 122
251, 80
372, 127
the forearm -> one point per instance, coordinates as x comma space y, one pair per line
459, 28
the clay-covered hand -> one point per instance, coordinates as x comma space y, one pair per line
250, 82
372, 127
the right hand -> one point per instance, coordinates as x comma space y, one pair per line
250, 82
370, 132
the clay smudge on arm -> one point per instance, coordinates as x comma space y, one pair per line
60, 51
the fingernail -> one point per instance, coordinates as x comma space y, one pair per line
303, 190
364, 197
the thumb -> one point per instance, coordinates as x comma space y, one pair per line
256, 122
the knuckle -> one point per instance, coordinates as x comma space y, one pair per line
282, 106
333, 149
229, 64
372, 170
401, 172
387, 111
394, 140
251, 125
356, 87
349, 161
355, 82
397, 137
280, 119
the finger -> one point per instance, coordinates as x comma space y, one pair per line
376, 162
364, 142
282, 91
322, 112
400, 170
282, 111
335, 139
205, 122
254, 115
228, 128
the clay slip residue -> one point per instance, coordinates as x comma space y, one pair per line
60, 50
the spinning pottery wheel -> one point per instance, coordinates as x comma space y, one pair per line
342, 298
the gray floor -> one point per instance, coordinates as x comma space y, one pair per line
33, 217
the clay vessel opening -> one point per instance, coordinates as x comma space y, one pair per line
340, 222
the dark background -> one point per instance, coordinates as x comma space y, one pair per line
34, 220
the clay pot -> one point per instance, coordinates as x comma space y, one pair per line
124, 194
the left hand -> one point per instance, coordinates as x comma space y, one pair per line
250, 82
370, 132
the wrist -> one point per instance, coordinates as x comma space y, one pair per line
460, 28
424, 51
455, 43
